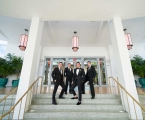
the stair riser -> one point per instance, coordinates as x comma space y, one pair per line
77, 119
76, 108
69, 101
83, 96
8, 102
76, 115
6, 108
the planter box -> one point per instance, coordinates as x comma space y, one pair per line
3, 82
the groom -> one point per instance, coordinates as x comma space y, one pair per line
78, 78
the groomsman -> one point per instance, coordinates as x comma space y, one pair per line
57, 75
90, 76
68, 73
78, 78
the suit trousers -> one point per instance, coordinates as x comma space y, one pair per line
68, 82
56, 84
79, 90
90, 79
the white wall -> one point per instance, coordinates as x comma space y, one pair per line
137, 49
13, 48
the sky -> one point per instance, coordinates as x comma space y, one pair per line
3, 45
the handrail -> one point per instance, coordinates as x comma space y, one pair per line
141, 99
142, 107
5, 98
12, 108
8, 94
140, 91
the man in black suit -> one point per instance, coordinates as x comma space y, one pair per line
90, 76
78, 78
68, 73
57, 75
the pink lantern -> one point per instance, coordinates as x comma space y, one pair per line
128, 40
75, 43
23, 41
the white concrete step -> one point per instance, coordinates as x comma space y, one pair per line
75, 108
76, 115
86, 96
9, 97
74, 101
103, 107
79, 119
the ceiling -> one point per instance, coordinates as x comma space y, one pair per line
59, 33
12, 28
73, 10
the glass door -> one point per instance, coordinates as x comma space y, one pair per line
95, 64
73, 62
102, 70
47, 71
55, 62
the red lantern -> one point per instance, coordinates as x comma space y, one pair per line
128, 40
75, 43
23, 41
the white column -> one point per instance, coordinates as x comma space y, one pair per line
29, 65
112, 64
123, 66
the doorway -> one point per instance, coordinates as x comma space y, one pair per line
97, 62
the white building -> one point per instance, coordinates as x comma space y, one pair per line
99, 25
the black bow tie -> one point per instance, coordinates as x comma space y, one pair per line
78, 68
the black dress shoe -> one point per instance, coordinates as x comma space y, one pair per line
61, 97
83, 92
93, 97
74, 98
54, 103
66, 93
78, 103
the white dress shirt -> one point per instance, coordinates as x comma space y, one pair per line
60, 70
69, 68
77, 71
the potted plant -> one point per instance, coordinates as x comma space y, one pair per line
138, 67
16, 66
5, 70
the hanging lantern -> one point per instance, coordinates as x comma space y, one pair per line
75, 42
23, 41
128, 40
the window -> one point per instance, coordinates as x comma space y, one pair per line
3, 45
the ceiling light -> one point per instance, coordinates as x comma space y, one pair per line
23, 41
75, 42
128, 40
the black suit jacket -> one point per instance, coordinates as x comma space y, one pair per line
80, 77
91, 72
56, 75
68, 73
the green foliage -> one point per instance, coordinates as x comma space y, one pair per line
5, 68
10, 65
138, 66
17, 63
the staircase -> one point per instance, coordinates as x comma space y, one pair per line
103, 107
8, 103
